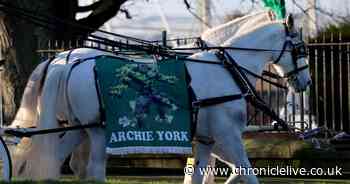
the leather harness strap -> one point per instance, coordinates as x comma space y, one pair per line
216, 100
253, 97
248, 91
267, 73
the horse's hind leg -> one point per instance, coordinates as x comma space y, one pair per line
96, 169
69, 142
79, 159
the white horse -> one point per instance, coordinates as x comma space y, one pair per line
212, 37
28, 113
229, 117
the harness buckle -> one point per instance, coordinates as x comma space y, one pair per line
245, 94
196, 104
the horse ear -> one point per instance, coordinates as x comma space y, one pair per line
272, 15
290, 22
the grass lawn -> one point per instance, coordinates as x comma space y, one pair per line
178, 180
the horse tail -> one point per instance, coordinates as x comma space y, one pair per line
27, 113
41, 160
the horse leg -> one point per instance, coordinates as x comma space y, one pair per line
201, 158
230, 123
235, 156
203, 146
209, 178
96, 168
86, 110
73, 142
79, 159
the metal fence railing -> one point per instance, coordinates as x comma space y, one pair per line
176, 41
330, 68
52, 47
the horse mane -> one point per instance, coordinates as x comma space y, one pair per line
219, 34
254, 32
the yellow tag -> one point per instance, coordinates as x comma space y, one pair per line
190, 161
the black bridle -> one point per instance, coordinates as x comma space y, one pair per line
298, 51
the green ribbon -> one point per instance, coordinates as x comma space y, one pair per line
278, 6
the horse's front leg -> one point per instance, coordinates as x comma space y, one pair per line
96, 169
229, 142
201, 159
209, 178
203, 145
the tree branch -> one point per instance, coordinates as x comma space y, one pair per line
90, 7
333, 16
126, 12
101, 14
187, 4
189, 8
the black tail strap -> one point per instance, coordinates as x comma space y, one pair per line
29, 133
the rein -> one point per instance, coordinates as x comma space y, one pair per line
265, 73
231, 48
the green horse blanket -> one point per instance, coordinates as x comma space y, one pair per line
146, 106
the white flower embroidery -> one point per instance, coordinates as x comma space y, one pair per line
124, 121
132, 105
174, 107
169, 118
157, 118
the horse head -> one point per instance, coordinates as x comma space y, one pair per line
276, 41
292, 62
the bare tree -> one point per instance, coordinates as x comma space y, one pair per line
19, 38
